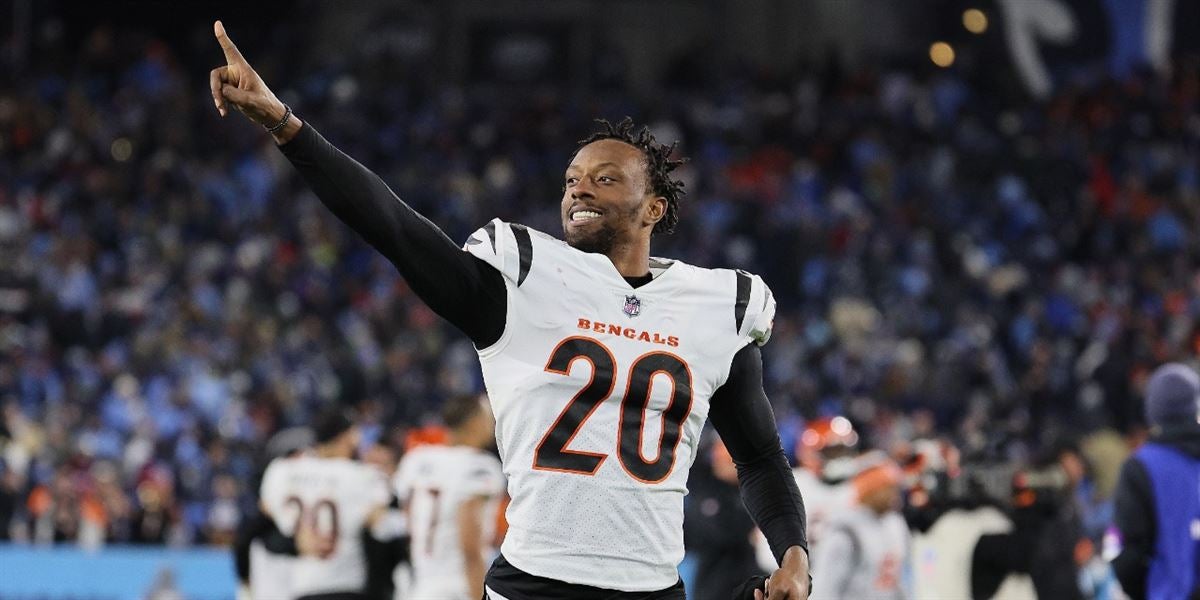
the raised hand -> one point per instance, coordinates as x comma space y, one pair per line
237, 85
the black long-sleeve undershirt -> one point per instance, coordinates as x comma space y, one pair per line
471, 295
258, 526
742, 415
460, 287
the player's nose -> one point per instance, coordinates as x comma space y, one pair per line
583, 189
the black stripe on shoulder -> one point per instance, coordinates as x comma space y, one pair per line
490, 228
743, 298
524, 250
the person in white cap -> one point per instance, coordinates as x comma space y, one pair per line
865, 549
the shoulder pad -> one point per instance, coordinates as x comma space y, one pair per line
507, 247
753, 308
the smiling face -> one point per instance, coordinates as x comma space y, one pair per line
607, 200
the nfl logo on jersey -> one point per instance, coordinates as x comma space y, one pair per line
633, 306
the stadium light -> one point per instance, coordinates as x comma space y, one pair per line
975, 20
942, 54
121, 149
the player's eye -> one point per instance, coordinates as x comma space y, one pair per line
572, 181
606, 179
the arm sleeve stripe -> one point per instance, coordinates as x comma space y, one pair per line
490, 228
524, 250
743, 299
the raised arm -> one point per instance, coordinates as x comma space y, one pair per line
743, 417
458, 286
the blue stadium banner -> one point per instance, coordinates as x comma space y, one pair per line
1052, 42
115, 573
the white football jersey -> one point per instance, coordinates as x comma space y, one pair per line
270, 573
337, 495
600, 392
434, 481
863, 555
823, 501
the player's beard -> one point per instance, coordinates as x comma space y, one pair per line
600, 240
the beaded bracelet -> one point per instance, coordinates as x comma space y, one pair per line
287, 114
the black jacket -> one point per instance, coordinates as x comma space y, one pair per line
716, 529
1041, 543
1135, 512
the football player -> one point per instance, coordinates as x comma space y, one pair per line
602, 364
453, 492
325, 500
828, 453
866, 548
263, 557
388, 567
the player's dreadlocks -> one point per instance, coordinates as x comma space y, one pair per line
658, 164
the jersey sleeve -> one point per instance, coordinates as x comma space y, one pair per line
484, 478
375, 487
507, 247
754, 308
402, 480
271, 493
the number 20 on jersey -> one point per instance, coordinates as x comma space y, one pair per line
552, 453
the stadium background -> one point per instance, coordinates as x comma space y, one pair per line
986, 245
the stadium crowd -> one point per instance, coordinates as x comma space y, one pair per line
948, 263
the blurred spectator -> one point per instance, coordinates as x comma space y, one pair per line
156, 520
164, 588
717, 528
225, 514
9, 497
1158, 509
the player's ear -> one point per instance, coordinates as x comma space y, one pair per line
656, 209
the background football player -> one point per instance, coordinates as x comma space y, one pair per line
865, 549
263, 556
452, 493
325, 500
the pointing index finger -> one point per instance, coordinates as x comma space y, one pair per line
231, 52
